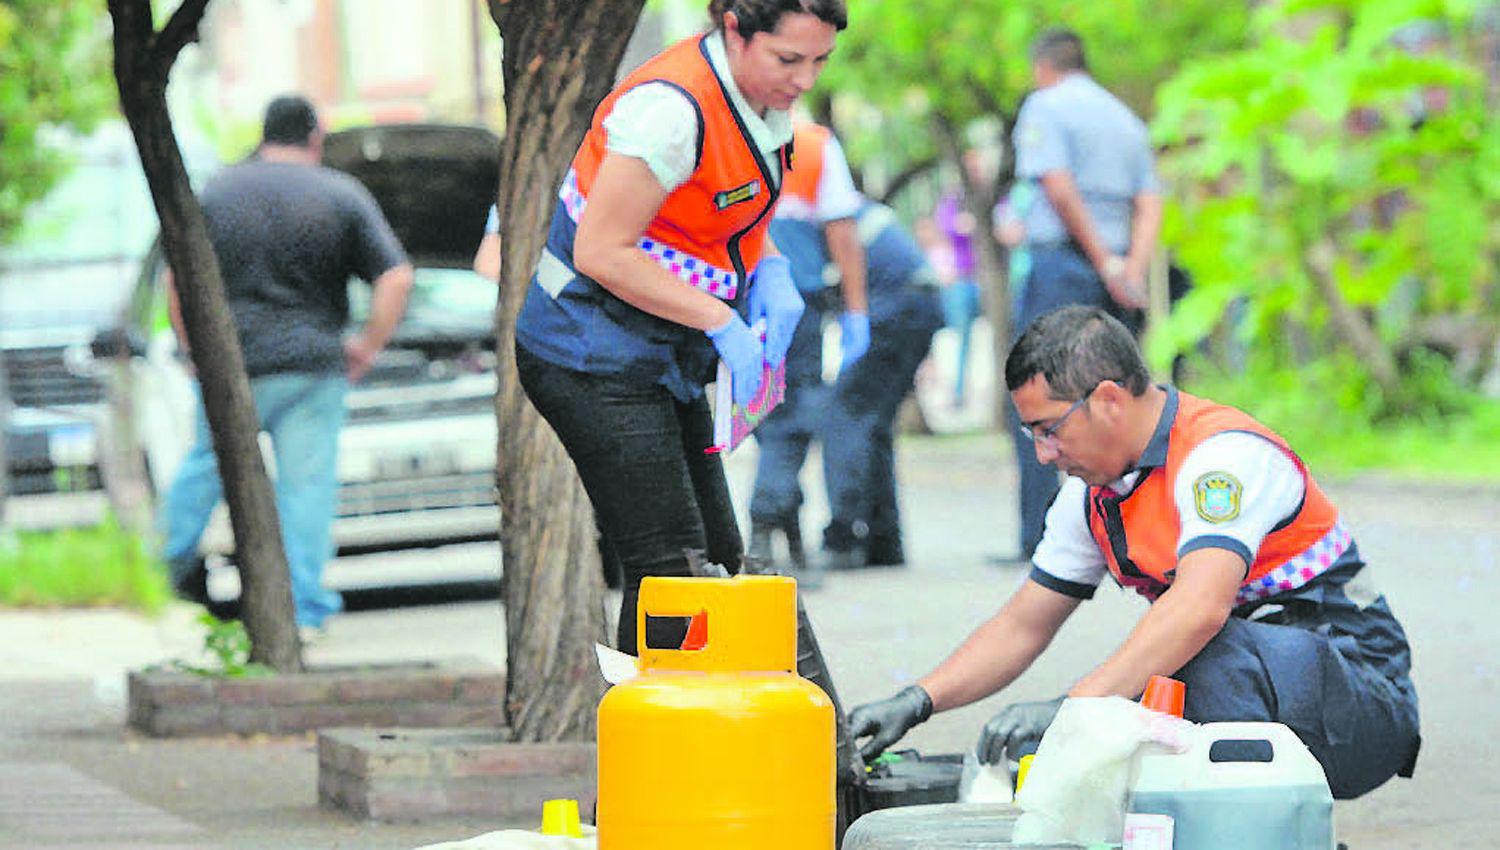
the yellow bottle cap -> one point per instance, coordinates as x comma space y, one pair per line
560, 817
1025, 768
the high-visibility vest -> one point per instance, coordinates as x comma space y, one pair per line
1138, 531
797, 229
710, 233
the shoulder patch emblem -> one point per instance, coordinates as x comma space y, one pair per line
1217, 496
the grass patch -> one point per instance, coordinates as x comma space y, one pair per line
95, 566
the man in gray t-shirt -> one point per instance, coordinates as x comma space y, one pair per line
1092, 229
289, 234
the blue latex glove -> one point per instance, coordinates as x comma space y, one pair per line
742, 350
774, 298
854, 336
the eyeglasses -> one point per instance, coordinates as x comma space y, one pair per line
1049, 433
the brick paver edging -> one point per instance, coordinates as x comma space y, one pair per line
413, 774
464, 692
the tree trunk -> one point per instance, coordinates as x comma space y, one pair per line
143, 58
1348, 324
122, 466
560, 59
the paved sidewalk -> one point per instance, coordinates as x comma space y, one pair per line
71, 776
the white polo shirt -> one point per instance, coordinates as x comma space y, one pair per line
657, 124
1270, 491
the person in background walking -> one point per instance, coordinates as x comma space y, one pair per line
289, 234
813, 225
1091, 229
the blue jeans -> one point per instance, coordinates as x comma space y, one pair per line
303, 415
784, 437
960, 309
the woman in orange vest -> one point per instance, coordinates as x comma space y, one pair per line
656, 267
1260, 600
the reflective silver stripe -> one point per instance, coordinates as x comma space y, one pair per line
1311, 563
552, 273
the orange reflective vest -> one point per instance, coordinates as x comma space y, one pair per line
1138, 531
802, 180
711, 230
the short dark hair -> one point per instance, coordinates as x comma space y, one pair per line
1060, 48
764, 15
1076, 348
290, 120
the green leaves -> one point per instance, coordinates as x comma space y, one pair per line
53, 73
1350, 143
966, 60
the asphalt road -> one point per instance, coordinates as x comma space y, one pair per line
1434, 549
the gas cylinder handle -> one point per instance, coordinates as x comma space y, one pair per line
751, 622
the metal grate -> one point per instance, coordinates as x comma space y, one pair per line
40, 377
465, 490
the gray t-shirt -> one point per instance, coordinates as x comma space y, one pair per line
1078, 126
288, 238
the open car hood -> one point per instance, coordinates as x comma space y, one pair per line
434, 182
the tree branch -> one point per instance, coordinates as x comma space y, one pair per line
181, 28
1318, 262
912, 171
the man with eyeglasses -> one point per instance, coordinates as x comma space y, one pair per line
1260, 600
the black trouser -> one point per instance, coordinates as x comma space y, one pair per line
640, 454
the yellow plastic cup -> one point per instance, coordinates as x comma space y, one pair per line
1023, 769
560, 817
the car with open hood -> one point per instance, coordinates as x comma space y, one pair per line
417, 453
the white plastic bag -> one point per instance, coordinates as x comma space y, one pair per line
616, 666
1075, 790
984, 783
518, 839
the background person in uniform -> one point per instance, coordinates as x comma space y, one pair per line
1260, 600
813, 224
859, 421
1091, 229
646, 282
289, 234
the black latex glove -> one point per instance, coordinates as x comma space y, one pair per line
887, 720
1016, 730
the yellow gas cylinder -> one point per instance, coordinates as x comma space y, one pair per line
723, 747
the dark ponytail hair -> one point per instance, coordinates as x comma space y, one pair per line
763, 15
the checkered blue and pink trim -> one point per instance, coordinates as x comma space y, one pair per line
694, 271
719, 283
1313, 561
572, 199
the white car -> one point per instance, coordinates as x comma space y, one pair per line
417, 454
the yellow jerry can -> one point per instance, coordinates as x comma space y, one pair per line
723, 747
